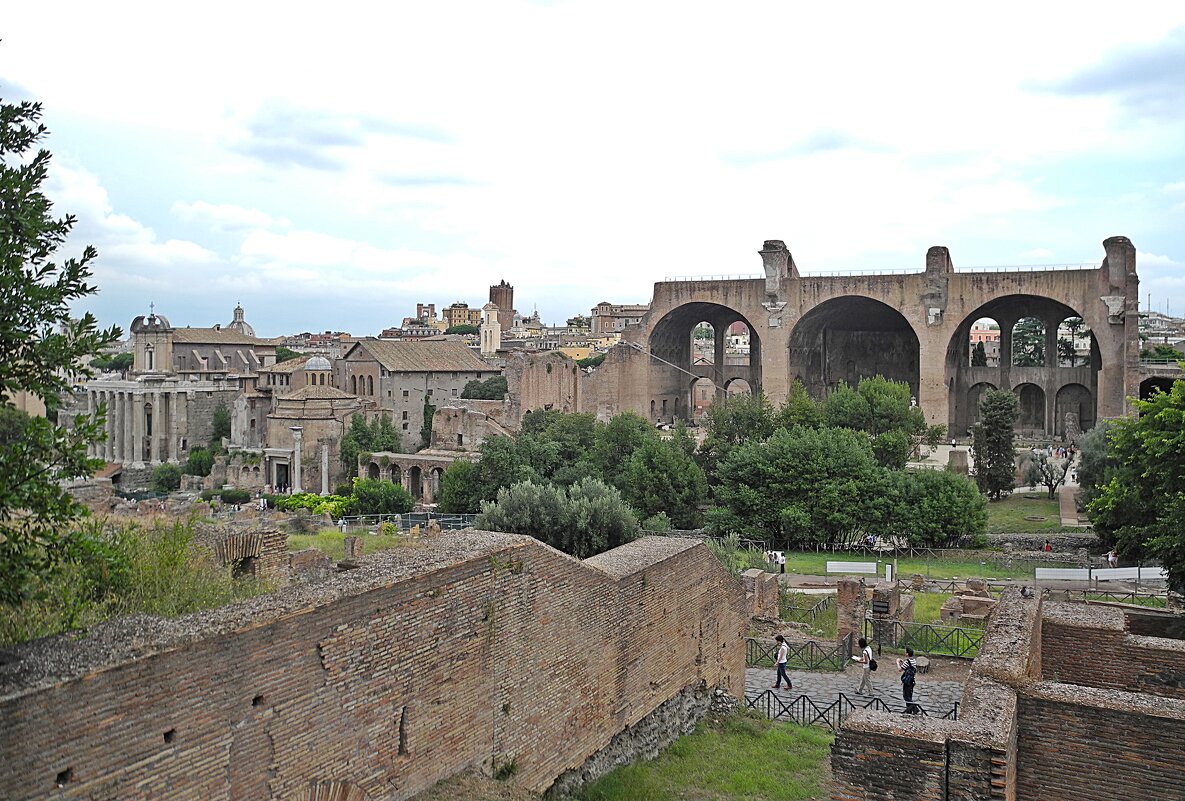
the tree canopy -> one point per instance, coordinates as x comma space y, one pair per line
43, 349
1141, 507
493, 388
994, 442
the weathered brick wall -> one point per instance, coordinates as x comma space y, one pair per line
1081, 744
488, 649
1090, 646
761, 591
880, 755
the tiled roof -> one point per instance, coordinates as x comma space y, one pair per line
317, 391
288, 367
214, 336
421, 357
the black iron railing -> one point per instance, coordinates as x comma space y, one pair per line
806, 614
810, 655
924, 638
1142, 599
807, 711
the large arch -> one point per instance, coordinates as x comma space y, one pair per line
1076, 400
845, 339
1040, 367
974, 396
1031, 416
1149, 386
674, 368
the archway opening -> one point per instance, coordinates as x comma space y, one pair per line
396, 475
1028, 342
974, 396
679, 358
1150, 386
415, 478
1031, 419
1073, 342
738, 386
372, 471
703, 395
845, 339
1073, 410
983, 343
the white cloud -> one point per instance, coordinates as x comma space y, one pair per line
226, 216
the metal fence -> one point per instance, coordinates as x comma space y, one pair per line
807, 711
806, 614
810, 655
403, 522
924, 638
1151, 600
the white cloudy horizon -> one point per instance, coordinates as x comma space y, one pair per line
329, 172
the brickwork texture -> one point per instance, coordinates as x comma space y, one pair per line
378, 683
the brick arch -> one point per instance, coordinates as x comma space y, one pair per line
335, 790
843, 339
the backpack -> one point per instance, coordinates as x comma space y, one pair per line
909, 675
872, 665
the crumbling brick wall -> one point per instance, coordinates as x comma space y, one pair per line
1090, 646
488, 649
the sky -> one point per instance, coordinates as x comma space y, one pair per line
329, 166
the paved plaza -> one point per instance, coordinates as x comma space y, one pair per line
936, 697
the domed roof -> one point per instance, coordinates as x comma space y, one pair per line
317, 363
240, 324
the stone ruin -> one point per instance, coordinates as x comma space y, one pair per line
974, 604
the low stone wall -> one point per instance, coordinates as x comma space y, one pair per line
761, 592
484, 650
1068, 543
646, 739
1085, 744
1090, 646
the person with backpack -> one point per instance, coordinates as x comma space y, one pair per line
909, 672
867, 665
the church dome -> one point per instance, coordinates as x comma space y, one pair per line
317, 364
240, 324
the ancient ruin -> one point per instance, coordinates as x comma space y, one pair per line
482, 651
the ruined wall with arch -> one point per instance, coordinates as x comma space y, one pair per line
910, 327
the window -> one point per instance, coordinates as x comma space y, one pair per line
405, 393
405, 415
253, 422
460, 439
405, 426
429, 393
454, 392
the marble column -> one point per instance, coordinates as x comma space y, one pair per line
297, 432
109, 425
129, 427
324, 467
154, 435
138, 431
116, 415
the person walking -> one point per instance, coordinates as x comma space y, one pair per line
783, 655
782, 561
909, 672
1113, 558
865, 660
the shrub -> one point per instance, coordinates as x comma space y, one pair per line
658, 522
378, 497
199, 463
166, 478
235, 496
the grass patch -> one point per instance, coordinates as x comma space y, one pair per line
927, 606
1008, 516
825, 625
332, 542
815, 564
742, 757
113, 569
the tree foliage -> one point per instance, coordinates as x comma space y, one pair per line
979, 356
1028, 342
166, 478
1141, 507
378, 497
221, 424
462, 329
1096, 464
660, 477
1038, 467
284, 354
584, 520
43, 348
994, 442
114, 364
493, 388
199, 463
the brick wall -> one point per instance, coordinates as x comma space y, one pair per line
1090, 646
1081, 744
486, 650
761, 591
886, 757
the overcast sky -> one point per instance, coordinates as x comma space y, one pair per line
329, 165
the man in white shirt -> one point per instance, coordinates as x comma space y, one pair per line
783, 654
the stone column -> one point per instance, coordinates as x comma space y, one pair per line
138, 431
297, 433
129, 426
154, 438
109, 426
1051, 383
116, 412
1005, 352
324, 467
